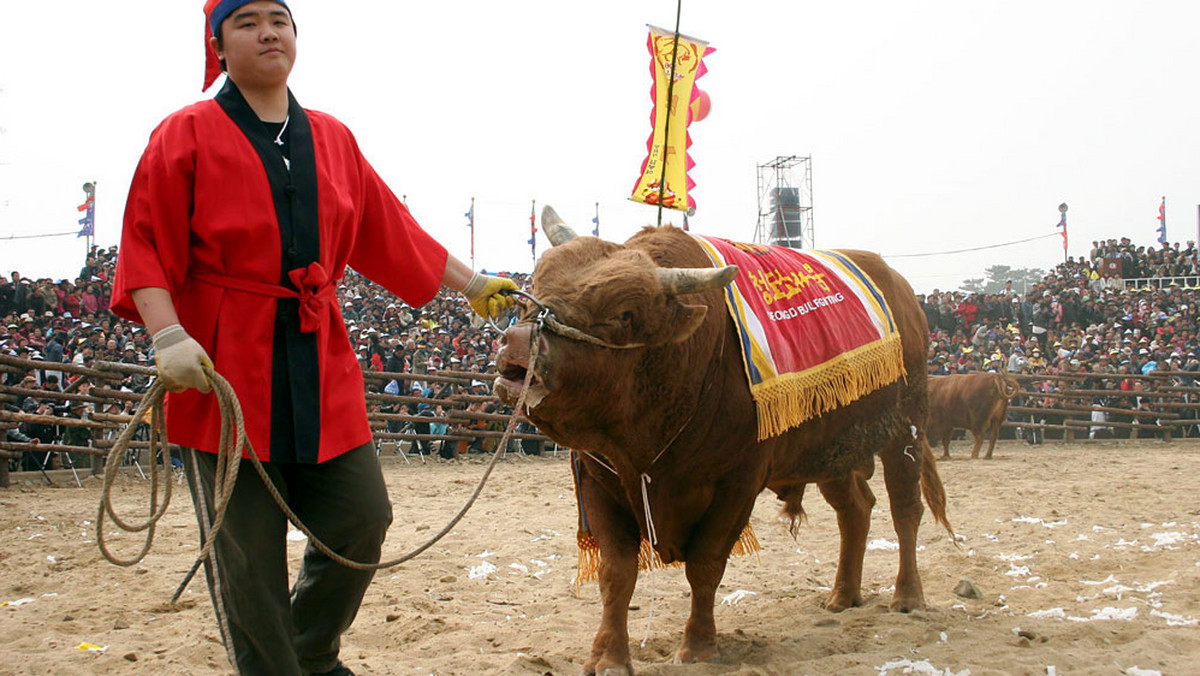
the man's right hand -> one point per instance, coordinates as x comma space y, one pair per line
180, 360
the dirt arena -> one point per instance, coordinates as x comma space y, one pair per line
1087, 559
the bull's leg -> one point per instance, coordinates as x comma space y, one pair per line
902, 476
852, 499
700, 633
707, 554
993, 435
946, 445
616, 531
977, 437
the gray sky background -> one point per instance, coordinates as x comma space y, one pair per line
933, 126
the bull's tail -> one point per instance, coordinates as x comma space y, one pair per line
933, 490
1008, 386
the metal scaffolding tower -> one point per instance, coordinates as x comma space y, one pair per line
785, 203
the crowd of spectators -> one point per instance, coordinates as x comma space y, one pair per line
1076, 320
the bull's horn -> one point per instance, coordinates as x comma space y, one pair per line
556, 230
678, 281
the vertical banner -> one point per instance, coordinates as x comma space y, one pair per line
1162, 221
471, 224
88, 222
665, 169
533, 231
1062, 225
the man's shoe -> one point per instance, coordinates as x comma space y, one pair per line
339, 670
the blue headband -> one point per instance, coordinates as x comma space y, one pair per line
227, 7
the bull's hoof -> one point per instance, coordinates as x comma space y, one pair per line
907, 603
839, 602
608, 671
945, 457
698, 654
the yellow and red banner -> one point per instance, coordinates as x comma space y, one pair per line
815, 331
667, 161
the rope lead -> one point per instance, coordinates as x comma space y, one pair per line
232, 442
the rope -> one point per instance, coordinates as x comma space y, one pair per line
229, 451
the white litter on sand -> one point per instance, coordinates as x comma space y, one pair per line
732, 599
1135, 671
1169, 539
1043, 522
1151, 586
1057, 613
481, 571
1010, 558
883, 544
907, 666
1174, 620
18, 602
1017, 571
518, 568
1108, 580
1117, 590
1104, 614
1108, 613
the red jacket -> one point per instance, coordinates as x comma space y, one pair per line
202, 221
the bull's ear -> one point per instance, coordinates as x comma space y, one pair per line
688, 318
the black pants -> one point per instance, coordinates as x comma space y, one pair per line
269, 630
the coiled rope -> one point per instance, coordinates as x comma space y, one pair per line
230, 450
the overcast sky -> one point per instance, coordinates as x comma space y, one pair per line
932, 126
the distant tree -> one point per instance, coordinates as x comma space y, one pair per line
998, 275
974, 285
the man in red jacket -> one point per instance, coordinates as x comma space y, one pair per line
242, 216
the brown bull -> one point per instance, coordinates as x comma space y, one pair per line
972, 401
671, 422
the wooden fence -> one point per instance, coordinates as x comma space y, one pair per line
85, 434
1071, 407
1084, 406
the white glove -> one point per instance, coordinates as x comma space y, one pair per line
180, 360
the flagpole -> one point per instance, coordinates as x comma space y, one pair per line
472, 232
662, 179
596, 222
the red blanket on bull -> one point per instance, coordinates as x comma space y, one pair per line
815, 331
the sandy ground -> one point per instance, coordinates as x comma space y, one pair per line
1087, 558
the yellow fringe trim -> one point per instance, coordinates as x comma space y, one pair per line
588, 569
792, 398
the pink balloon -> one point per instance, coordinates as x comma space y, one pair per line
700, 105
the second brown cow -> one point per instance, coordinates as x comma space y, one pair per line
976, 402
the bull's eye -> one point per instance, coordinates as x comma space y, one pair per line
627, 318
